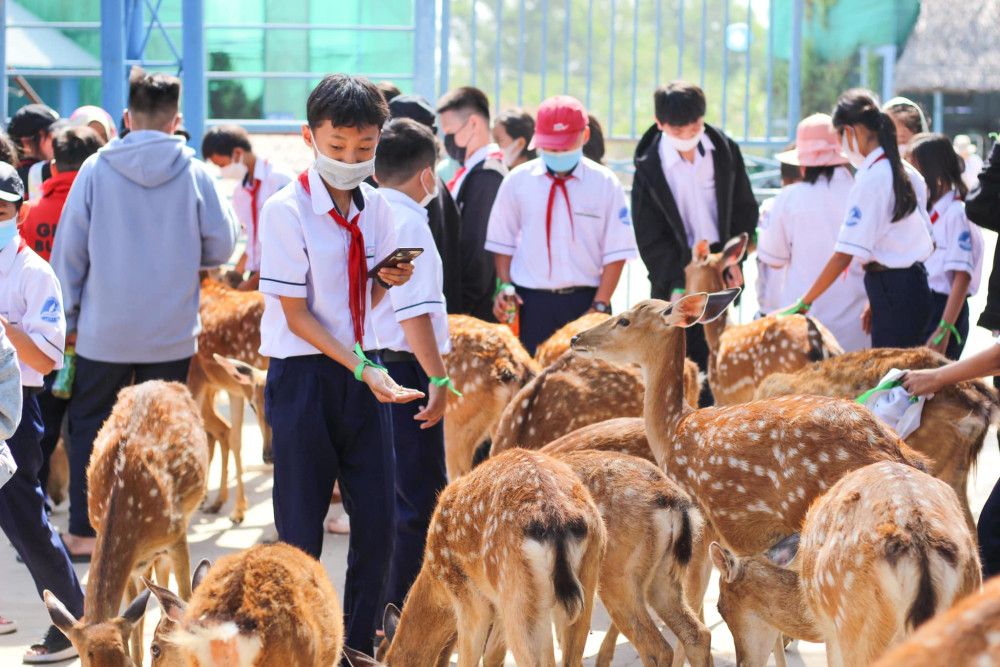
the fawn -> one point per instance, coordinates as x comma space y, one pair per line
954, 421
163, 649
753, 468
146, 477
966, 634
518, 538
742, 355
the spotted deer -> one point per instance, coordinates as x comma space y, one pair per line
164, 649
271, 604
146, 477
954, 422
742, 355
558, 343
966, 634
754, 468
489, 366
520, 539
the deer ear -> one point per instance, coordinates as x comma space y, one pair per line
784, 552
200, 573
735, 249
701, 251
686, 311
390, 622
137, 609
729, 569
718, 302
239, 371
173, 607
60, 616
359, 659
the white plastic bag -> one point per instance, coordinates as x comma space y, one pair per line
891, 403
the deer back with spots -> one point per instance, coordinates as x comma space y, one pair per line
489, 366
954, 422
146, 476
742, 355
558, 343
754, 468
884, 551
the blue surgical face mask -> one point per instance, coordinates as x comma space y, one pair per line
563, 161
8, 230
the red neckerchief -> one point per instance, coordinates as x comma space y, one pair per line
454, 179
934, 217
878, 159
560, 183
253, 209
22, 244
355, 264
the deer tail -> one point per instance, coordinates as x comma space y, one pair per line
568, 590
924, 605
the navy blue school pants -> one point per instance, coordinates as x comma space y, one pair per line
988, 527
95, 391
23, 518
328, 426
53, 410
901, 306
543, 313
420, 476
938, 302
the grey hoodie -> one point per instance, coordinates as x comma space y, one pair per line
141, 218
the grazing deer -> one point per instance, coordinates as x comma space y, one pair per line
269, 605
146, 477
755, 468
558, 343
954, 421
489, 366
742, 355
966, 634
518, 539
164, 649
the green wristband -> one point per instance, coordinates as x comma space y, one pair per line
446, 382
365, 361
799, 307
677, 292
945, 326
500, 287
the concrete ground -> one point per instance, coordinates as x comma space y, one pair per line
212, 536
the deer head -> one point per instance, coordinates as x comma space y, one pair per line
164, 651
707, 272
103, 644
252, 381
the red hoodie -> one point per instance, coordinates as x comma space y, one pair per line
39, 229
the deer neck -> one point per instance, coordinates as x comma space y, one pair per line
713, 332
426, 625
114, 556
783, 603
664, 405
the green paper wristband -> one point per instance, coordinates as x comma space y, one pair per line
677, 292
945, 326
446, 382
799, 307
365, 361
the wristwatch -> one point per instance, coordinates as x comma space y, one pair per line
383, 283
601, 307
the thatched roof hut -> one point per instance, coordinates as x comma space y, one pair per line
954, 48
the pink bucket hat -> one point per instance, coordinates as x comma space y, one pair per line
816, 144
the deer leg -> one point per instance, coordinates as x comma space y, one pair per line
496, 647
135, 639
699, 571
236, 408
218, 431
607, 651
779, 651
180, 557
474, 618
574, 638
623, 597
666, 595
162, 568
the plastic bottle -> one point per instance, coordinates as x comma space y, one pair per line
513, 320
62, 386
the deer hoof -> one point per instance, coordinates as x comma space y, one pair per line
237, 518
214, 508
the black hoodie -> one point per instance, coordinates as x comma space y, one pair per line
982, 207
659, 230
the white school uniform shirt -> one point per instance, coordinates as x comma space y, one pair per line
31, 300
868, 232
769, 279
958, 245
693, 188
305, 254
422, 294
601, 230
471, 161
805, 222
271, 178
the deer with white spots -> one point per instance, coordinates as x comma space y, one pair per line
489, 366
742, 355
953, 424
558, 343
164, 649
519, 540
146, 477
966, 634
754, 468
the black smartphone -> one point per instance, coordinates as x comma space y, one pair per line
395, 258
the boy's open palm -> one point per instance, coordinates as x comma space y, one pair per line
385, 388
432, 413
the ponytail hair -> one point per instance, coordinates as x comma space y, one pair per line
860, 107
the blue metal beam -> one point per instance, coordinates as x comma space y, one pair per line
3, 63
113, 76
195, 91
423, 49
795, 69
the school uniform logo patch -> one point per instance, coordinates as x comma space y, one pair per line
624, 217
370, 252
50, 310
853, 217
965, 241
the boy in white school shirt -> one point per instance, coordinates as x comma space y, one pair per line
560, 230
321, 236
228, 148
412, 328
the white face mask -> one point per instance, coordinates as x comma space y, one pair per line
683, 145
341, 175
429, 196
234, 170
510, 153
854, 156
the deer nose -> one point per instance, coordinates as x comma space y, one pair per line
572, 342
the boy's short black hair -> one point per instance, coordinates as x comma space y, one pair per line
466, 98
389, 90
679, 103
73, 145
405, 148
155, 96
346, 101
222, 140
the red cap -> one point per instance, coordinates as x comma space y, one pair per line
558, 123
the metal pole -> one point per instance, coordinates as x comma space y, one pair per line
635, 63
473, 39
888, 70
938, 119
193, 40
3, 62
864, 66
499, 60
725, 65
423, 48
113, 79
445, 41
545, 43
136, 27
611, 76
770, 68
795, 69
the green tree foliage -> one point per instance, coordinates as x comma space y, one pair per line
227, 98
